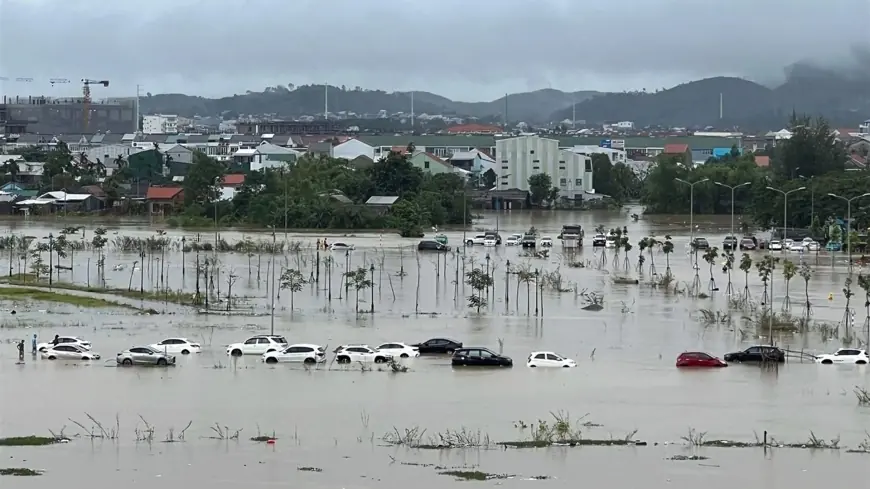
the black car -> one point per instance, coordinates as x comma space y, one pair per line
479, 357
429, 245
757, 354
700, 244
730, 243
528, 241
748, 244
438, 345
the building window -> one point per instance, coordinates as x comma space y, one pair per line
504, 162
536, 168
532, 152
561, 162
504, 167
561, 167
578, 182
426, 165
563, 182
536, 161
588, 166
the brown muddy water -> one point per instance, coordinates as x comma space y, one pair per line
333, 419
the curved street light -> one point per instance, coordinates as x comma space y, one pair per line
849, 220
692, 210
785, 207
733, 188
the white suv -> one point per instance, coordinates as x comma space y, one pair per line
257, 345
845, 355
476, 240
360, 353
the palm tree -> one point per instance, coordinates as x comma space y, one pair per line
120, 162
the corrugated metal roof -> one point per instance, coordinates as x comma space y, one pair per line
382, 200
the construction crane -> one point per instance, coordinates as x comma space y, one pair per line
86, 91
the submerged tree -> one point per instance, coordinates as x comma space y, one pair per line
667, 249
746, 267
479, 281
642, 245
806, 273
292, 280
652, 243
359, 280
726, 268
789, 269
99, 243
626, 246
864, 283
765, 269
847, 315
710, 256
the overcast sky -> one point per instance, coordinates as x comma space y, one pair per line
464, 49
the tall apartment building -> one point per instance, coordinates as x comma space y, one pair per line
519, 158
160, 124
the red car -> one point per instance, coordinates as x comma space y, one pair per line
698, 359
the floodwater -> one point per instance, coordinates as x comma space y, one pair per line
333, 418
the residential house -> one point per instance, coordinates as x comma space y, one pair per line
266, 155
523, 156
681, 152
474, 129
230, 185
109, 155
178, 160
474, 161
8, 202
430, 163
30, 172
352, 148
164, 200
381, 203
864, 129
16, 188
74, 202
615, 155
324, 148
361, 163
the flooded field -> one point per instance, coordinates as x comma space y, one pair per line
330, 422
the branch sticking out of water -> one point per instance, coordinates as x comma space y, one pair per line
97, 430
224, 433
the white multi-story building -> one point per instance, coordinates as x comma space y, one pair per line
160, 124
519, 158
865, 127
615, 155
625, 125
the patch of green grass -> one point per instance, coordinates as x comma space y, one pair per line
175, 297
473, 475
20, 471
21, 293
28, 441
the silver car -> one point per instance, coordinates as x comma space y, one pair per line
144, 355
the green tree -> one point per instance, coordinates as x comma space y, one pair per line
539, 187
202, 185
479, 281
292, 280
359, 280
812, 149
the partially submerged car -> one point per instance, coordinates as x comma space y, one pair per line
177, 345
513, 240
436, 346
774, 245
699, 359
399, 350
144, 355
257, 345
301, 353
360, 353
599, 240
549, 359
479, 357
69, 351
845, 355
65, 340
700, 244
760, 353
432, 245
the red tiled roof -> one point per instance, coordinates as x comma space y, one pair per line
234, 179
763, 161
473, 128
163, 193
859, 161
673, 149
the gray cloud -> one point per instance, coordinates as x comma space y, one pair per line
464, 49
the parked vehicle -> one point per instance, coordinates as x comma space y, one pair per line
360, 353
144, 355
834, 246
513, 240
490, 241
698, 359
845, 355
65, 340
69, 351
786, 244
747, 244
340, 247
546, 242
759, 353
257, 345
599, 240
438, 346
492, 234
441, 238
610, 241
301, 353
774, 245
478, 239
549, 359
700, 244
430, 245
730, 243
571, 236
479, 357
177, 345
528, 241
797, 247
813, 246
399, 350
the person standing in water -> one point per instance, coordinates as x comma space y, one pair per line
33, 344
21, 351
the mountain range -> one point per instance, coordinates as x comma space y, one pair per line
843, 98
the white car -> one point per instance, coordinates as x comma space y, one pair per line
65, 340
399, 350
360, 353
490, 241
811, 245
301, 353
69, 351
177, 345
845, 355
513, 240
599, 240
549, 359
774, 245
610, 241
340, 247
476, 240
546, 242
796, 246
257, 345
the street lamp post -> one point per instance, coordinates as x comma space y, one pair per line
849, 220
785, 207
733, 188
372, 271
272, 286
692, 210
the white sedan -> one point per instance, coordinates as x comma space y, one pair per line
399, 350
65, 340
513, 240
546, 242
69, 351
775, 245
340, 247
845, 355
176, 346
302, 353
797, 246
549, 359
812, 245
490, 241
257, 345
360, 353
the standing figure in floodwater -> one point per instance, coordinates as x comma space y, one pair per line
33, 344
21, 351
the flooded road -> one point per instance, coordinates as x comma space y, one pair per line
332, 418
